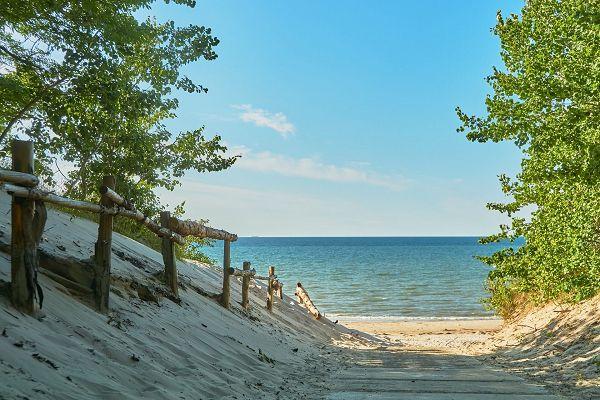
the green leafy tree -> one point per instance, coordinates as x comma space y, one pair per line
93, 85
546, 100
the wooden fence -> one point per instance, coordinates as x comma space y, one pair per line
28, 216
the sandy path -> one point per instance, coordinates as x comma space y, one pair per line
458, 336
429, 360
391, 374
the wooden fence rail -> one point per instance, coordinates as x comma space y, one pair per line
28, 214
193, 228
19, 178
304, 298
49, 197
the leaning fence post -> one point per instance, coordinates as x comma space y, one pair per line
168, 253
270, 289
101, 284
245, 285
226, 272
27, 224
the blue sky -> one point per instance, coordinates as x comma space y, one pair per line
344, 115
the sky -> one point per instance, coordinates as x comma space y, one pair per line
344, 115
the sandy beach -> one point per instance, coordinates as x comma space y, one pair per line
450, 335
426, 326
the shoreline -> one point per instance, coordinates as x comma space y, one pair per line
458, 336
393, 319
424, 326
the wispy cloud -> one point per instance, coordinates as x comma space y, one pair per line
312, 168
277, 121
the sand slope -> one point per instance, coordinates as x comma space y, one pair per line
155, 349
557, 345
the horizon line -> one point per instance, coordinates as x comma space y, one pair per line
362, 236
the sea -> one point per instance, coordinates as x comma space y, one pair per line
375, 278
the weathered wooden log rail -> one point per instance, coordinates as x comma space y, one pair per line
49, 197
304, 298
93, 276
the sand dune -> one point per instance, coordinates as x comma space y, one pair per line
155, 349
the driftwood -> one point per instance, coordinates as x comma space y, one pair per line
37, 194
194, 228
304, 298
18, 178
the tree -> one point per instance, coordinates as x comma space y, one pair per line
546, 100
93, 85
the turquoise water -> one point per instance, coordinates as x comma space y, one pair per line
374, 277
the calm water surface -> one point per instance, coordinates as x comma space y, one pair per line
375, 277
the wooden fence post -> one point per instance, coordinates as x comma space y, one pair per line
168, 253
226, 272
28, 219
103, 252
245, 286
281, 290
270, 289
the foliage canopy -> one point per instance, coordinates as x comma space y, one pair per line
546, 100
92, 85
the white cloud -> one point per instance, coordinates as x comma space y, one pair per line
311, 168
259, 117
247, 211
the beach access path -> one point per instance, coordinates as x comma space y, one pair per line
426, 360
386, 374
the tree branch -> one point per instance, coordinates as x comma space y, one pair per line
32, 102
